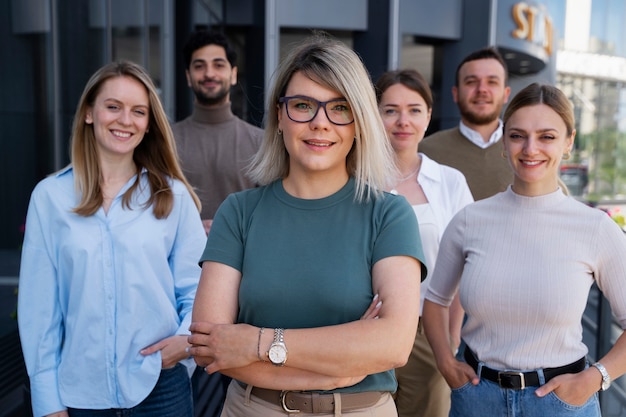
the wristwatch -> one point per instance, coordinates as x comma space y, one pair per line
606, 378
278, 351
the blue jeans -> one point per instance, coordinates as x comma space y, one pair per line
171, 397
488, 399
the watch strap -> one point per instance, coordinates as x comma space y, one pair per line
606, 378
278, 347
279, 335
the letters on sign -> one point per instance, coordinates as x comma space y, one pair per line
533, 25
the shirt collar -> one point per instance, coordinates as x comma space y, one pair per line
428, 170
477, 139
63, 170
70, 167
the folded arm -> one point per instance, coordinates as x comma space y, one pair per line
350, 350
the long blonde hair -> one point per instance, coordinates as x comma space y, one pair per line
335, 66
156, 152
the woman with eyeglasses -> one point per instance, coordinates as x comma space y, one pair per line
309, 294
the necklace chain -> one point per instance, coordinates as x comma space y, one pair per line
411, 174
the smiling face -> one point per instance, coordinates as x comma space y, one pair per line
535, 139
405, 115
319, 146
120, 116
481, 91
210, 75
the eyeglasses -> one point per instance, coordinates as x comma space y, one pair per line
303, 109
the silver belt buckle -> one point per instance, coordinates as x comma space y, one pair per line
283, 394
518, 374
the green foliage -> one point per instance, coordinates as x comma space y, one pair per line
605, 153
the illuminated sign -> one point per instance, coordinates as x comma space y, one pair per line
533, 25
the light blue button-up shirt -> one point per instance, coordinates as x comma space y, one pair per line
96, 290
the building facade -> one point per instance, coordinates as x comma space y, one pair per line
591, 69
49, 48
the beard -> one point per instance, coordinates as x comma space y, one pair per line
479, 118
210, 99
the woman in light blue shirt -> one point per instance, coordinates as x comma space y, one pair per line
109, 263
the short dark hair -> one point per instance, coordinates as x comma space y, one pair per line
202, 38
485, 53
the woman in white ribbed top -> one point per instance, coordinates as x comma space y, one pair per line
523, 262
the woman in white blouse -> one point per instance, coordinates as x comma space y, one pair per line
436, 192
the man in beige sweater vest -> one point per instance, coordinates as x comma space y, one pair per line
474, 146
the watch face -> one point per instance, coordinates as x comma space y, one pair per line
278, 354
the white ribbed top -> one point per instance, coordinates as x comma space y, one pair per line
525, 266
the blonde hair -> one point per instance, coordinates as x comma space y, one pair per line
337, 67
156, 152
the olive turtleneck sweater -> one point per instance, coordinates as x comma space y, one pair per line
215, 147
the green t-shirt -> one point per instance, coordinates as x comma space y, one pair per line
308, 263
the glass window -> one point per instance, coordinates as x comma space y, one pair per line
596, 86
417, 56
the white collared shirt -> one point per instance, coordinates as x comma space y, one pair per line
477, 139
447, 192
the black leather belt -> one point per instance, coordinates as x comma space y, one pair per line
521, 380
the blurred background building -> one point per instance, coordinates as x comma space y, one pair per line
49, 48
591, 69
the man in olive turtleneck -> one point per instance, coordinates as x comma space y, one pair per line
214, 145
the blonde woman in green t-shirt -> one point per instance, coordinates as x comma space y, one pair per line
290, 267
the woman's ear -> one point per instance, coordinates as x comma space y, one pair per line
570, 141
279, 114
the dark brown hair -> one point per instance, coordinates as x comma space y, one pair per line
409, 78
484, 53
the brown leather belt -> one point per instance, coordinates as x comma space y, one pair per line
313, 402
